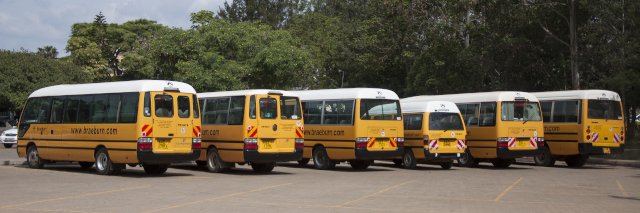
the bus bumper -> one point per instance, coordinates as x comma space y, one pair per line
364, 154
256, 157
505, 153
441, 156
152, 158
589, 149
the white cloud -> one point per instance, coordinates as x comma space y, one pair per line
36, 23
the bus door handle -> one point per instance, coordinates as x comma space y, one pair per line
170, 134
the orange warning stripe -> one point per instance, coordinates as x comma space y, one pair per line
299, 132
253, 132
371, 142
392, 142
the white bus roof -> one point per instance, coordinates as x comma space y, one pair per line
475, 97
428, 106
112, 87
578, 95
243, 93
347, 93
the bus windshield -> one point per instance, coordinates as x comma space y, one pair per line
289, 108
604, 109
376, 109
445, 121
520, 111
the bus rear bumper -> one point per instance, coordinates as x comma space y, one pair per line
589, 149
364, 154
152, 158
441, 156
505, 153
256, 157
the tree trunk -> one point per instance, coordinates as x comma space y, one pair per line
575, 76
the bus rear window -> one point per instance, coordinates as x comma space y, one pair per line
163, 105
604, 109
289, 108
184, 107
375, 109
445, 121
268, 108
520, 111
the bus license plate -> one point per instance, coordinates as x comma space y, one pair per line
382, 144
447, 144
267, 145
606, 150
522, 143
163, 145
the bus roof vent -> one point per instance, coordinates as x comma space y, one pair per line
272, 92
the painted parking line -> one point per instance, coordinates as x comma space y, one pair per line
624, 192
503, 193
375, 193
74, 196
217, 198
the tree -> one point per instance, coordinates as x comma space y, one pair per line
48, 52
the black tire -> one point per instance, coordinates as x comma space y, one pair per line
33, 158
359, 164
263, 167
321, 159
446, 165
576, 161
85, 165
544, 158
8, 145
155, 169
214, 163
201, 164
467, 160
502, 163
409, 160
397, 162
303, 162
104, 165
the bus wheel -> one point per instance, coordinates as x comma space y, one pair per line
321, 159
104, 165
397, 162
303, 162
263, 167
544, 158
155, 169
359, 164
446, 165
214, 163
467, 160
33, 158
409, 160
501, 163
85, 165
201, 164
577, 161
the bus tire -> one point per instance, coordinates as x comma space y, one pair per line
321, 159
409, 160
155, 169
263, 167
501, 163
359, 164
104, 165
201, 164
8, 145
214, 163
544, 158
85, 165
446, 165
303, 162
466, 160
33, 158
576, 161
397, 162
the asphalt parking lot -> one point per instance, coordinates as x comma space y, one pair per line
382, 188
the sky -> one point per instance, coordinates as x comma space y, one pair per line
30, 24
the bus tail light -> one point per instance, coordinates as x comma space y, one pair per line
145, 143
588, 137
540, 142
362, 142
251, 143
196, 143
299, 143
503, 142
400, 142
425, 140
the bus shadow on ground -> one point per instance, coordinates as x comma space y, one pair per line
129, 172
625, 197
419, 167
233, 171
343, 167
564, 166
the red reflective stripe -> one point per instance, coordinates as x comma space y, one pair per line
255, 132
145, 127
298, 133
149, 132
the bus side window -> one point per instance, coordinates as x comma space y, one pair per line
57, 109
312, 112
236, 110
71, 109
546, 110
37, 111
487, 114
565, 111
129, 108
252, 107
184, 106
84, 108
196, 106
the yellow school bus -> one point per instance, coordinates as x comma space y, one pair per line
501, 126
148, 122
258, 127
434, 133
357, 125
580, 123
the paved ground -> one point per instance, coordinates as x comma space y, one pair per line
382, 188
